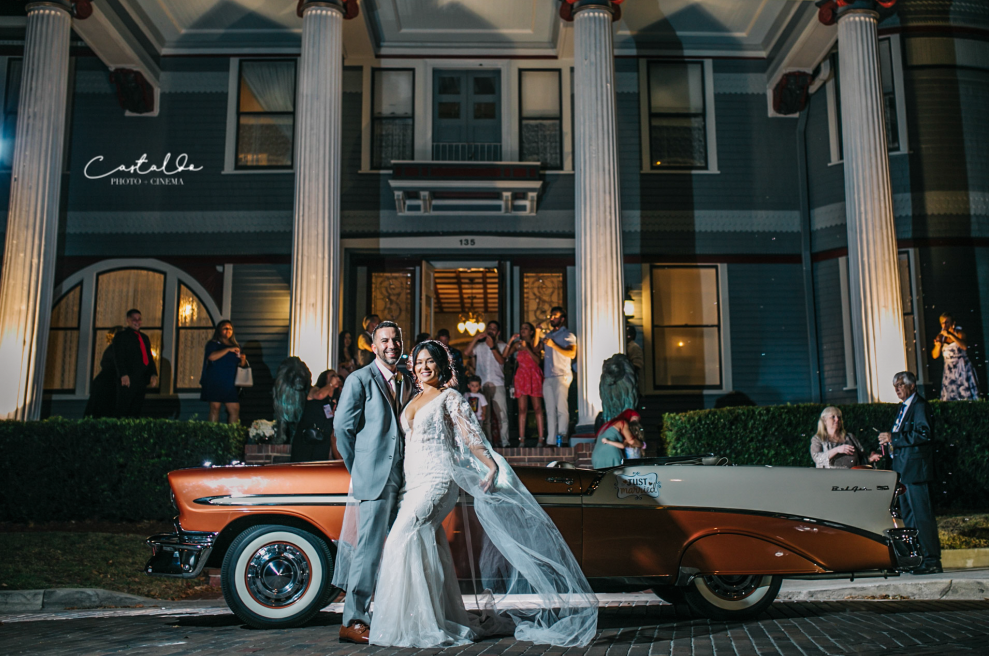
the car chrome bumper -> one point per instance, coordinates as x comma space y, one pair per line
904, 546
182, 554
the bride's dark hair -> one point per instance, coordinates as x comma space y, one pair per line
443, 359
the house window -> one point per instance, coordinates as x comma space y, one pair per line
912, 318
677, 115
177, 315
888, 81
391, 299
467, 115
891, 79
265, 114
393, 124
686, 327
541, 118
541, 292
11, 99
119, 291
62, 355
194, 329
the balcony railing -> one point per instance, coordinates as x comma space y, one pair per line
467, 152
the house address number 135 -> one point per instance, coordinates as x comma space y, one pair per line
468, 242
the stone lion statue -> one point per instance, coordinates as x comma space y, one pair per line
619, 387
292, 383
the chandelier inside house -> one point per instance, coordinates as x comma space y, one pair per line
471, 322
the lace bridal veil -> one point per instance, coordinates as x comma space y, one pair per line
522, 554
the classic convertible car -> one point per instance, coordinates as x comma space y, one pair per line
719, 539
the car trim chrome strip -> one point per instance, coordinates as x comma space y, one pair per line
741, 511
341, 500
277, 500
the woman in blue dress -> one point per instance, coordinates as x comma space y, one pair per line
612, 438
220, 364
958, 382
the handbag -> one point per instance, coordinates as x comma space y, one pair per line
313, 435
244, 377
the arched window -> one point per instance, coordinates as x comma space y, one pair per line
123, 290
62, 357
177, 315
194, 330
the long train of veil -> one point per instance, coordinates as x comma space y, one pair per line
523, 551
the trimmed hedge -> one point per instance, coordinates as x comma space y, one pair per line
780, 436
111, 469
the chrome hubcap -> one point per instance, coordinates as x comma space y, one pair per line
733, 588
278, 574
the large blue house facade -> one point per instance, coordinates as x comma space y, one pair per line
457, 187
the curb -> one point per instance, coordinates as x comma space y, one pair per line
14, 601
941, 589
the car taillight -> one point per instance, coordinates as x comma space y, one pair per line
894, 506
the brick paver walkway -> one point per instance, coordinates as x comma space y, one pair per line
644, 628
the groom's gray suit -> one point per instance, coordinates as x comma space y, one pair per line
369, 437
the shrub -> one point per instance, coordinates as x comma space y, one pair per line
113, 469
780, 436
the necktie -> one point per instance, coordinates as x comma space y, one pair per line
899, 417
144, 350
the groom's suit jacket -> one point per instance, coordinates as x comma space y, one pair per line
367, 428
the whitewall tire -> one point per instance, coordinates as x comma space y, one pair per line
732, 597
277, 576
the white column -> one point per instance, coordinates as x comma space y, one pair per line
32, 221
315, 312
600, 278
877, 312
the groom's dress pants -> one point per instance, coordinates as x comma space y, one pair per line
376, 518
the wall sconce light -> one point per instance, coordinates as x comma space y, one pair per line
629, 305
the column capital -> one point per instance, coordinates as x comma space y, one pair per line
569, 8
829, 11
348, 8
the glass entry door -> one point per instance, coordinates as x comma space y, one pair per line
467, 116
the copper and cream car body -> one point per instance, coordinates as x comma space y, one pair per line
719, 539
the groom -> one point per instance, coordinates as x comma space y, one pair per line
370, 440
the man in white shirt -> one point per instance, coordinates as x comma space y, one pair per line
487, 350
559, 348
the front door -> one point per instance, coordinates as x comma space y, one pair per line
467, 115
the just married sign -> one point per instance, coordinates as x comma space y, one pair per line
142, 171
637, 485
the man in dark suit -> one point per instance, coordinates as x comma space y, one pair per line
136, 370
913, 459
369, 438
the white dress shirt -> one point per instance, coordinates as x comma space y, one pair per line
389, 377
903, 413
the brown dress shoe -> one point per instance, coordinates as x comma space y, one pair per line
357, 633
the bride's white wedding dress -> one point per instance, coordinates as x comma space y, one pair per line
417, 601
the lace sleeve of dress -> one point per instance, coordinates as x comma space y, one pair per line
467, 432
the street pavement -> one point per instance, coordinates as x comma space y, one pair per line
629, 625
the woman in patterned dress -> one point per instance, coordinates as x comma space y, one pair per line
528, 380
958, 382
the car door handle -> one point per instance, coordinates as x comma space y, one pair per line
559, 479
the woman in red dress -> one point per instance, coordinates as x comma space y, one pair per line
528, 380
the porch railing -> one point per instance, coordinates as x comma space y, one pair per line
467, 152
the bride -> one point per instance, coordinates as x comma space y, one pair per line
417, 601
